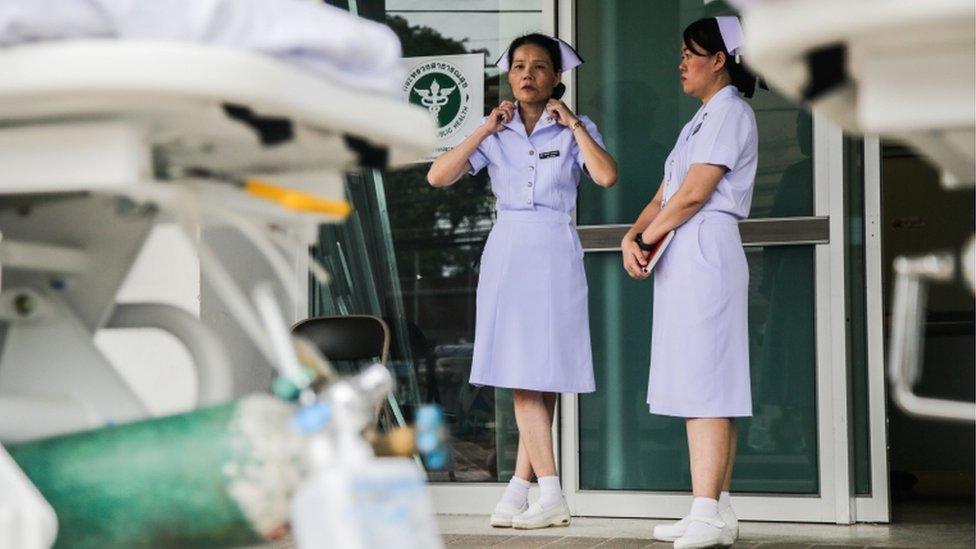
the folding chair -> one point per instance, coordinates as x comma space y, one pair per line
352, 338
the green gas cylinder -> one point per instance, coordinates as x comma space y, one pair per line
214, 477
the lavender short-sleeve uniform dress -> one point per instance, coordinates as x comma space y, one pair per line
700, 340
532, 325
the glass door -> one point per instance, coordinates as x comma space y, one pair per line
815, 449
794, 459
410, 253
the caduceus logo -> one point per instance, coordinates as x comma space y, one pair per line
435, 97
443, 89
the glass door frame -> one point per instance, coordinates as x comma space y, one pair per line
836, 501
876, 506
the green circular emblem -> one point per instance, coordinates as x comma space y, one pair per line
440, 94
442, 89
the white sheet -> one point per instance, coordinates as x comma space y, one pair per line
312, 35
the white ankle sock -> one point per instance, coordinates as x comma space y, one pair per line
704, 507
517, 492
724, 501
552, 491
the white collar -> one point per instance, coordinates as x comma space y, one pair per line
518, 125
726, 91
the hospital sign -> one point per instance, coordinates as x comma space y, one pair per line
451, 88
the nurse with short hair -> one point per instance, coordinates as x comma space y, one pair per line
532, 326
700, 342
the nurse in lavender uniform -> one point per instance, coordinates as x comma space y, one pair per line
700, 342
532, 326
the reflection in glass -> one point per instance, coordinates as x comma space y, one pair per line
629, 86
356, 254
437, 236
782, 330
623, 447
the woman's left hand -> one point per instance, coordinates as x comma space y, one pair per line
634, 259
560, 112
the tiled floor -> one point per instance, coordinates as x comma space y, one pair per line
941, 525
632, 543
602, 543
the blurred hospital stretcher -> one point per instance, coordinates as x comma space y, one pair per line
102, 139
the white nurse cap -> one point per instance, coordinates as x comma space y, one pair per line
731, 31
571, 59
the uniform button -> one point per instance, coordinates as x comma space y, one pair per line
531, 153
530, 183
531, 168
528, 200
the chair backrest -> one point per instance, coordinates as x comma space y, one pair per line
353, 337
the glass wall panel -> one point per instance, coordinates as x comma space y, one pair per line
357, 255
438, 236
623, 447
629, 87
410, 253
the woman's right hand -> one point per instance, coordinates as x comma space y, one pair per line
451, 166
499, 116
634, 258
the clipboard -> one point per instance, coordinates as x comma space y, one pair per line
658, 251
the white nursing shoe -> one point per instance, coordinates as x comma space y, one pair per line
501, 517
673, 531
537, 517
708, 532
